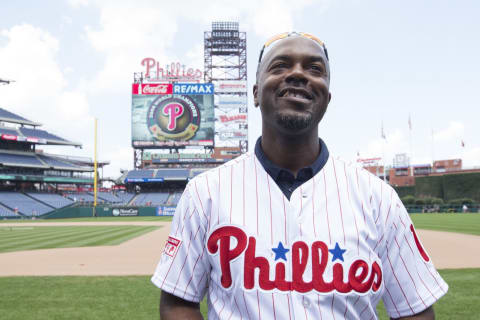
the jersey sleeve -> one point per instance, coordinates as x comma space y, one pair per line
412, 283
183, 269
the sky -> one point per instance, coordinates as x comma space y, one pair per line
391, 61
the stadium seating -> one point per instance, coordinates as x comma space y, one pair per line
20, 159
81, 197
56, 163
11, 131
140, 174
24, 204
108, 197
40, 134
125, 196
175, 198
172, 173
195, 172
5, 212
151, 199
52, 199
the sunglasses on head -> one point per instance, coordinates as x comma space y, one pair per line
291, 34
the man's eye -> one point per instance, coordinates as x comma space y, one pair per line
280, 65
317, 68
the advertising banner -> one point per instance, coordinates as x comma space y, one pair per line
125, 212
234, 118
166, 115
127, 180
233, 135
165, 211
231, 86
230, 102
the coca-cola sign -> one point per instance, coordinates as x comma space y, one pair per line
9, 137
174, 71
155, 89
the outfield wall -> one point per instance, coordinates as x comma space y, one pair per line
447, 187
108, 211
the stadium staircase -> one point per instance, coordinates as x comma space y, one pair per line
132, 201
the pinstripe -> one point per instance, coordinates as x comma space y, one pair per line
246, 307
186, 257
351, 208
326, 206
339, 202
393, 301
398, 282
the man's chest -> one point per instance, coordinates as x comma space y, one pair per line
318, 242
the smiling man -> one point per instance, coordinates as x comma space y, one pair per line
288, 231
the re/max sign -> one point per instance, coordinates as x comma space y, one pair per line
188, 88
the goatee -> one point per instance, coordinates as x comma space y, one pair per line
294, 122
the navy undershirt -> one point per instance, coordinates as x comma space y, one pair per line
284, 178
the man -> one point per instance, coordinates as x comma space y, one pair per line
288, 231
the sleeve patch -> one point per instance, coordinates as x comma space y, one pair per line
171, 246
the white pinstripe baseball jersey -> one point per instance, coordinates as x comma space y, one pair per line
341, 243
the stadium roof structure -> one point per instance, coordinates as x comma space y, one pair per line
29, 135
8, 116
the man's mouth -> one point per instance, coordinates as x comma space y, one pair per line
295, 93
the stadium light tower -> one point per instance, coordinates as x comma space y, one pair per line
225, 65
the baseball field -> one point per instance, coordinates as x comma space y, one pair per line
98, 268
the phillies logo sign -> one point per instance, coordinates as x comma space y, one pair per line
173, 117
173, 111
358, 275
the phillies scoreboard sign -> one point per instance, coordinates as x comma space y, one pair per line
172, 114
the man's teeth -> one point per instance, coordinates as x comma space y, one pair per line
294, 94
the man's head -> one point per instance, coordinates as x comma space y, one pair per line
292, 87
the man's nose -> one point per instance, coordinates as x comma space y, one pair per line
296, 74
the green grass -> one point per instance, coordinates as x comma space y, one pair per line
43, 237
92, 219
468, 223
134, 297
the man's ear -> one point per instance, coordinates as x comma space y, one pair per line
329, 96
255, 95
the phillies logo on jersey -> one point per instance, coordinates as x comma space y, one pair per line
356, 276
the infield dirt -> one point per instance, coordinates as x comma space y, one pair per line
139, 256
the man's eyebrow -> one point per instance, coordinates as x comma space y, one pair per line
285, 57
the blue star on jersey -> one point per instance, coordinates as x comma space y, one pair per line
280, 252
337, 252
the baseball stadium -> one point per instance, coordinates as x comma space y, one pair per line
77, 245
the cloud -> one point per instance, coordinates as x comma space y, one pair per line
471, 157
395, 143
454, 131
39, 91
121, 158
78, 3
129, 31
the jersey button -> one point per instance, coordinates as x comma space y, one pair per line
304, 195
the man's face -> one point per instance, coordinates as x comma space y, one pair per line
292, 87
